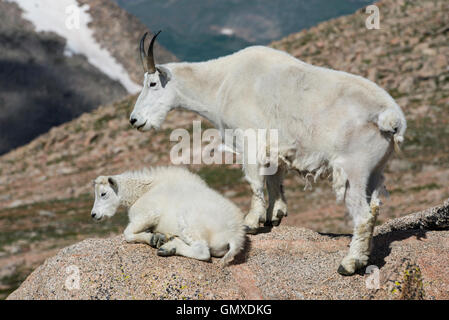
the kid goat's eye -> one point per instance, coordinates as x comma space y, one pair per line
103, 194
152, 84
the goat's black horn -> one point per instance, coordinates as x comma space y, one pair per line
150, 57
142, 52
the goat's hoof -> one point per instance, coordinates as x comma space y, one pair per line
157, 240
350, 265
280, 214
268, 224
347, 266
276, 221
250, 230
166, 252
342, 270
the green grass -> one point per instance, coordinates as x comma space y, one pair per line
102, 122
71, 221
395, 93
60, 159
221, 176
427, 135
430, 186
13, 281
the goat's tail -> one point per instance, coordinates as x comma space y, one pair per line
235, 246
392, 120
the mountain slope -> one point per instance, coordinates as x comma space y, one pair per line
51, 73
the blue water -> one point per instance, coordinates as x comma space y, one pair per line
192, 28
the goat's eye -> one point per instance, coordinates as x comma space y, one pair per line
103, 194
152, 84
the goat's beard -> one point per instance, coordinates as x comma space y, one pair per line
156, 122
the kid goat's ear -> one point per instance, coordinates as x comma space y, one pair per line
113, 184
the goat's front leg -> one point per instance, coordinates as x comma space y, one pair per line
257, 212
196, 250
135, 232
277, 206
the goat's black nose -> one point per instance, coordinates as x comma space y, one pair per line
132, 120
93, 214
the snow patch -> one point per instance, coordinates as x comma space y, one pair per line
227, 31
70, 21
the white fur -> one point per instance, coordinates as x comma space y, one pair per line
176, 203
328, 122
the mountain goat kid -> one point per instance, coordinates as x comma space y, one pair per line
184, 215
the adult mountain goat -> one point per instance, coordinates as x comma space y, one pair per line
328, 122
184, 215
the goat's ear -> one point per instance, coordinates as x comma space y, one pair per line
164, 75
113, 183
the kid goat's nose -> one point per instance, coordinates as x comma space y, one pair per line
132, 120
93, 214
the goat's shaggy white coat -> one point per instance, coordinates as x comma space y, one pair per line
327, 121
171, 201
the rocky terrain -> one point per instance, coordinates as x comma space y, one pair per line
45, 186
42, 84
286, 263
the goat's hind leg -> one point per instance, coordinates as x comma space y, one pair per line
197, 249
277, 206
363, 204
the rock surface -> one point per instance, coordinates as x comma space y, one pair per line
286, 263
